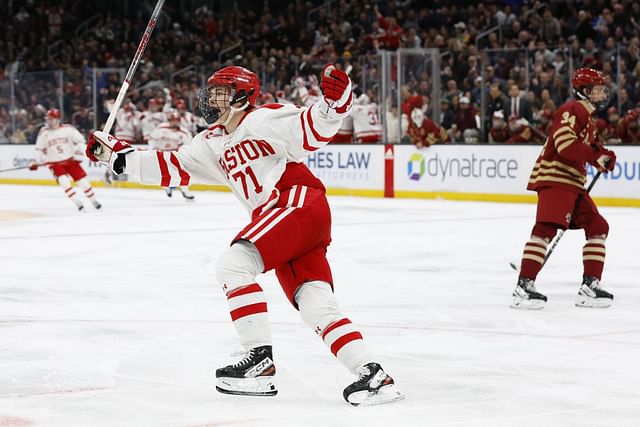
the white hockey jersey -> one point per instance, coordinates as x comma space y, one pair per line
149, 121
167, 138
59, 144
366, 123
127, 125
251, 160
188, 121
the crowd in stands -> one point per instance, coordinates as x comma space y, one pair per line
496, 86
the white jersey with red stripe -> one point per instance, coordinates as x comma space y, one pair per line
149, 121
59, 144
167, 138
251, 160
188, 121
366, 123
127, 125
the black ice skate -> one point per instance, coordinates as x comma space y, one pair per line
251, 376
526, 296
168, 191
96, 205
592, 295
374, 387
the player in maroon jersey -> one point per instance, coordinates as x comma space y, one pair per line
558, 177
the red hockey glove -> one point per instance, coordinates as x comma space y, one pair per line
336, 87
602, 159
33, 166
108, 149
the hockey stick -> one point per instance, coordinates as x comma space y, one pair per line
14, 169
17, 169
134, 65
561, 233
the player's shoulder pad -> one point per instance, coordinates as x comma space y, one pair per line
265, 111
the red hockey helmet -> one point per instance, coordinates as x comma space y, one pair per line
181, 105
53, 117
243, 83
584, 80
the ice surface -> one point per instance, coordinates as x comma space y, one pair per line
113, 318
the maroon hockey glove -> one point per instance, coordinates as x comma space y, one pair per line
108, 149
602, 159
33, 166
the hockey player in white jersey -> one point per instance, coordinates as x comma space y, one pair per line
259, 153
367, 127
128, 123
60, 147
187, 119
307, 97
170, 136
152, 118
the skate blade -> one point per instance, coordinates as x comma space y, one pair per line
588, 302
259, 386
527, 304
386, 394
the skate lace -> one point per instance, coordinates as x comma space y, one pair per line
365, 375
593, 283
529, 285
248, 357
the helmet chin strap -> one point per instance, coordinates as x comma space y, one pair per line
233, 111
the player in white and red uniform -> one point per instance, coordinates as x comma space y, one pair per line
187, 119
60, 147
366, 121
259, 153
151, 119
127, 123
306, 96
171, 136
345, 133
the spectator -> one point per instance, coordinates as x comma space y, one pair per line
518, 105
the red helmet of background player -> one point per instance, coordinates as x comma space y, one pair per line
243, 83
584, 80
53, 118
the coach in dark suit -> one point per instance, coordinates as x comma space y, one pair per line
518, 105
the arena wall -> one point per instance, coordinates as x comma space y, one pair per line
495, 173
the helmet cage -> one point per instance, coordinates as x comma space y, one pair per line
243, 85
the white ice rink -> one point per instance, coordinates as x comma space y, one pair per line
113, 318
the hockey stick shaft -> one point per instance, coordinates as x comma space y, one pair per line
561, 232
14, 169
20, 168
134, 65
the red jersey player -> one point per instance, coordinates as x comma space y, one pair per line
259, 153
558, 177
60, 147
423, 132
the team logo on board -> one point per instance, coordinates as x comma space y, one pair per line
416, 166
